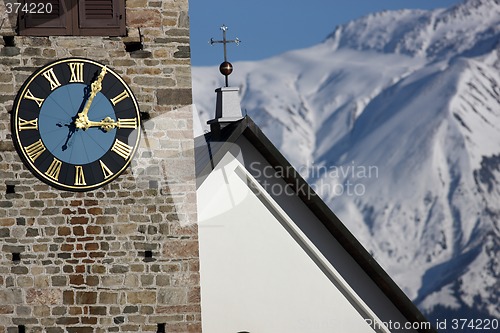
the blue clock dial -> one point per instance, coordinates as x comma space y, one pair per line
56, 125
75, 124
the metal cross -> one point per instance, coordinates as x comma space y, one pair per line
224, 40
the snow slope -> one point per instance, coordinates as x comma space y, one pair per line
395, 120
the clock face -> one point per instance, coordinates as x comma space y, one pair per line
75, 124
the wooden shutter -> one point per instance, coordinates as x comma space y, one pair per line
55, 23
102, 17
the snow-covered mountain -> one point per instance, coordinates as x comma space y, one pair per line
395, 120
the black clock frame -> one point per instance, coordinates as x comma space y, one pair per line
28, 142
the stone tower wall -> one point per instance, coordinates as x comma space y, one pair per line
123, 258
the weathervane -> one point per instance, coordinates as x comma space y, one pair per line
226, 67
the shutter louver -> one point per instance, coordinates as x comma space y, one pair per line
102, 17
99, 10
75, 18
57, 22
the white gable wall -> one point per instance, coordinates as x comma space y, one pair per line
255, 276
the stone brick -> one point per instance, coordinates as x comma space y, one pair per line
92, 281
95, 211
13, 248
24, 321
64, 231
91, 246
50, 211
24, 281
86, 297
68, 321
124, 229
59, 281
23, 310
93, 230
9, 51
183, 52
54, 330
98, 310
78, 231
172, 296
181, 249
175, 97
43, 296
146, 309
131, 309
40, 248
4, 232
41, 311
155, 81
7, 222
67, 211
19, 270
112, 281
141, 297
108, 298
130, 328
76, 310
119, 269
147, 280
97, 254
162, 280
79, 220
89, 320
194, 295
105, 220
137, 3
6, 309
67, 247
41, 281
184, 327
141, 17
90, 202
68, 297
98, 269
173, 309
59, 311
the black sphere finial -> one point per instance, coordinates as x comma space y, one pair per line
226, 68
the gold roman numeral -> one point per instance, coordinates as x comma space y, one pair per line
34, 150
105, 170
79, 176
127, 122
121, 149
54, 169
76, 71
29, 95
120, 97
28, 124
52, 78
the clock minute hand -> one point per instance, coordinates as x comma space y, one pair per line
95, 87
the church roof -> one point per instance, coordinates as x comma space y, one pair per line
212, 147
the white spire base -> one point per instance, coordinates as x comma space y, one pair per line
227, 108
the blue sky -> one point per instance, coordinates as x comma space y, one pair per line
271, 27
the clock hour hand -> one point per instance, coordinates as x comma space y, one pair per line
107, 124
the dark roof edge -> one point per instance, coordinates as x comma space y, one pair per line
227, 137
259, 140
254, 134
